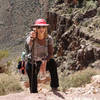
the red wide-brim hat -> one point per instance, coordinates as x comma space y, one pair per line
40, 22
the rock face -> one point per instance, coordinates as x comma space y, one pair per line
77, 34
75, 28
16, 17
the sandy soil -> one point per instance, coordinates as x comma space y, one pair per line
89, 92
45, 94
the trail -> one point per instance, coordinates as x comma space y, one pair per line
37, 96
89, 92
46, 94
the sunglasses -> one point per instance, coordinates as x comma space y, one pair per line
40, 27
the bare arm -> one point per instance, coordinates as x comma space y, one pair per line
50, 52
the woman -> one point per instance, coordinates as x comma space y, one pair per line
40, 45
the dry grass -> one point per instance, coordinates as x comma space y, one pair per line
8, 84
3, 53
5, 68
77, 79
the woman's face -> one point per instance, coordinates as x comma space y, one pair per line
41, 32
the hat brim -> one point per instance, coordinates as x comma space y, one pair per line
40, 25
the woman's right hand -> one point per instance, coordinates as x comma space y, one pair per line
32, 35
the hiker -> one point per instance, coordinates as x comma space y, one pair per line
40, 45
21, 63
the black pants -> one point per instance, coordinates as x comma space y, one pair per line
51, 67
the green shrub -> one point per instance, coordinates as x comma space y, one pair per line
77, 79
3, 53
8, 84
19, 59
5, 68
9, 63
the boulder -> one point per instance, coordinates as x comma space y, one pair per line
95, 81
96, 64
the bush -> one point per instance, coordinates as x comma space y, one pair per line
3, 54
19, 59
90, 4
8, 84
77, 79
5, 68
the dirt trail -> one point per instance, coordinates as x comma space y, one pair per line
45, 94
89, 92
38, 96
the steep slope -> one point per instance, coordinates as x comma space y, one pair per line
76, 33
16, 17
77, 44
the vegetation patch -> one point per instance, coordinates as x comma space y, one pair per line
77, 79
3, 53
9, 84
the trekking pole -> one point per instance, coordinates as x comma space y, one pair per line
33, 65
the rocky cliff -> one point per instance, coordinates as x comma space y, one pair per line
74, 26
16, 17
76, 31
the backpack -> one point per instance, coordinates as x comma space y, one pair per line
21, 66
